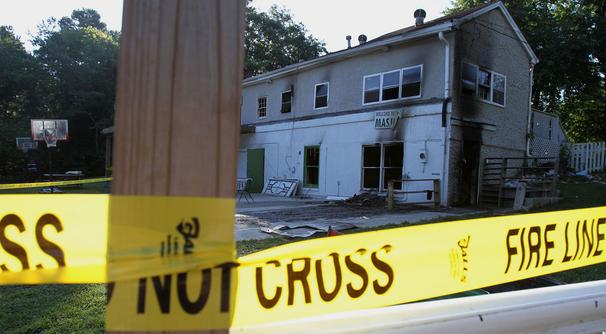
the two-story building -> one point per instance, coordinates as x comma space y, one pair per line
425, 102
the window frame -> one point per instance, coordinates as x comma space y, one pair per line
364, 88
327, 83
259, 107
381, 166
400, 80
305, 184
282, 101
420, 83
491, 92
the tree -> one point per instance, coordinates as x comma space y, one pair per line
80, 56
273, 40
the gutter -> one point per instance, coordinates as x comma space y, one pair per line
347, 53
445, 121
528, 124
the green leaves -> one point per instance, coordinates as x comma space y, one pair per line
274, 40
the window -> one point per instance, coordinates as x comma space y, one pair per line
391, 86
371, 168
399, 84
382, 163
469, 77
312, 167
486, 85
286, 101
411, 81
321, 96
262, 107
372, 87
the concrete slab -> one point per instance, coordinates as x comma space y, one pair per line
250, 220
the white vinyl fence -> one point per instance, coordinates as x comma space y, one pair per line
588, 156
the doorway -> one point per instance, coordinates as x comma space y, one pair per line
255, 166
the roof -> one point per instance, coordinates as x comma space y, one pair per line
441, 24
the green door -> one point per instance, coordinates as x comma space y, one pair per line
255, 164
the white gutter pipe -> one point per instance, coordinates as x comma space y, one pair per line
446, 142
529, 125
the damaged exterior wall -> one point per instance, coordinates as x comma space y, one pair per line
489, 42
474, 129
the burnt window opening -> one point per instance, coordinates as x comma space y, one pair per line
286, 101
391, 83
321, 96
411, 81
311, 177
484, 84
372, 88
382, 163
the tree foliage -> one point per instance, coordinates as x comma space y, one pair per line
71, 74
569, 38
273, 40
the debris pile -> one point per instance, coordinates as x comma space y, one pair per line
367, 200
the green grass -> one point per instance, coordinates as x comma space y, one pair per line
52, 309
81, 308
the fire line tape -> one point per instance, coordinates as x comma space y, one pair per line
171, 263
52, 184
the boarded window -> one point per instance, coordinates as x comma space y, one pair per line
286, 101
312, 166
372, 88
411, 81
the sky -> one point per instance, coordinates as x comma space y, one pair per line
328, 20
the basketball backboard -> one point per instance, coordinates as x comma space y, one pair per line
49, 130
26, 143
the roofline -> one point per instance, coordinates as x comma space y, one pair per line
369, 47
533, 57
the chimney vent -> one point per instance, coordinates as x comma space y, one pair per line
362, 39
348, 38
419, 17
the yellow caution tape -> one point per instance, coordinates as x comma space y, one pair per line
172, 266
52, 184
53, 238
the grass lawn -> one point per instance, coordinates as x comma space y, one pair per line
80, 308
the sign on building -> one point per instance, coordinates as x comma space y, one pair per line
386, 119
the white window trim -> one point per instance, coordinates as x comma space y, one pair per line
400, 78
266, 104
327, 94
364, 88
420, 86
492, 73
282, 101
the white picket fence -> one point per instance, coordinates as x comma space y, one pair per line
588, 156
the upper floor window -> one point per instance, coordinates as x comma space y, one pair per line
399, 84
321, 96
286, 101
486, 85
262, 107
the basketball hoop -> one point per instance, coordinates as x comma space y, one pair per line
50, 137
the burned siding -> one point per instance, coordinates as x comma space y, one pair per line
489, 42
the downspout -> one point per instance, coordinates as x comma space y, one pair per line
445, 120
529, 125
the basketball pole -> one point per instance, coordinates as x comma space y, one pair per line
178, 99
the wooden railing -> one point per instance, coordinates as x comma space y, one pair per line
433, 195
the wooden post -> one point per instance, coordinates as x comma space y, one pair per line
178, 100
437, 194
390, 195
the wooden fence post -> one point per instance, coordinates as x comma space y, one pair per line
178, 99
